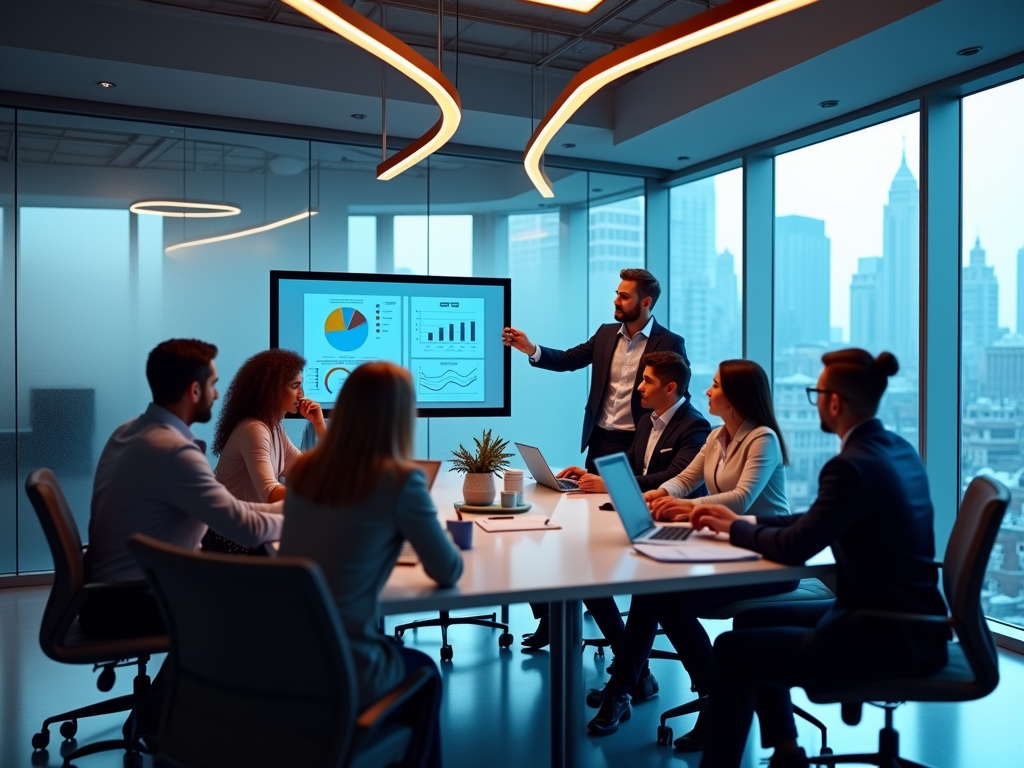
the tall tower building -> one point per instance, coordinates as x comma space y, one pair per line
616, 243
1020, 292
900, 265
802, 281
726, 309
864, 290
979, 317
692, 265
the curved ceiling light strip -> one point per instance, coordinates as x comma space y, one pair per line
357, 29
703, 28
580, 6
188, 210
241, 233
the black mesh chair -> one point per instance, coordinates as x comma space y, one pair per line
61, 637
445, 620
809, 590
260, 674
972, 670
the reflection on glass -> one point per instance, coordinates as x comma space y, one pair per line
705, 268
433, 245
992, 326
362, 243
846, 274
616, 239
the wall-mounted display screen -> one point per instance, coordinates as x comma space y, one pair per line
445, 330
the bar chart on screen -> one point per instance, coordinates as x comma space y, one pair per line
447, 327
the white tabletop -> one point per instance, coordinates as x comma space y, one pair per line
589, 556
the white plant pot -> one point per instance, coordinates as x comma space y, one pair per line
478, 489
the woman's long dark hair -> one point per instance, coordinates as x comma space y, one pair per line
256, 392
745, 385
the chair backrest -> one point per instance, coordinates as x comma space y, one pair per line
963, 570
66, 548
261, 673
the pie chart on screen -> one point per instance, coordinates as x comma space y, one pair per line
346, 329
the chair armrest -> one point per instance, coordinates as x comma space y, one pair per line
916, 618
375, 714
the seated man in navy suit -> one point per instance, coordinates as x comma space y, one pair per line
874, 509
667, 439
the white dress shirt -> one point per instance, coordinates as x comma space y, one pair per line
658, 425
616, 406
153, 478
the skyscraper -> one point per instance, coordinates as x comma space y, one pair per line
980, 317
864, 319
898, 308
692, 266
726, 308
616, 243
802, 281
1020, 292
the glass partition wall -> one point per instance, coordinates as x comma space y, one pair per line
92, 287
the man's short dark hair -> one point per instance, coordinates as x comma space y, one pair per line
646, 283
859, 377
669, 366
174, 364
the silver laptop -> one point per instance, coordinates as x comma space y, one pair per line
541, 471
629, 502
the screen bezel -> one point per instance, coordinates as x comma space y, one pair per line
277, 275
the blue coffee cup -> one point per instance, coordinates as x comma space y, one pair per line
462, 533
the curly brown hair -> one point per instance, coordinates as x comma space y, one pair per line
255, 392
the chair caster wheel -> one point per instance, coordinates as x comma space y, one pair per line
399, 633
105, 682
599, 653
41, 740
446, 653
664, 735
505, 640
132, 760
69, 729
826, 751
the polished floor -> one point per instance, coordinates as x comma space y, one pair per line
496, 706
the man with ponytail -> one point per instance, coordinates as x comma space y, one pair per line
874, 509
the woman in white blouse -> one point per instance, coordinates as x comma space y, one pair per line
254, 450
743, 466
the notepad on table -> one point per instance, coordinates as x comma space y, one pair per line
695, 552
517, 523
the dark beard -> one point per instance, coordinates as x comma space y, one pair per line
204, 416
623, 317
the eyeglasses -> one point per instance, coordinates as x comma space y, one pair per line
812, 394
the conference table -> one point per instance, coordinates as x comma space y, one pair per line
589, 556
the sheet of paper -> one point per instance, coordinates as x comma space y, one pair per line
696, 552
517, 523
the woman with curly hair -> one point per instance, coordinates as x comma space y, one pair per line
250, 439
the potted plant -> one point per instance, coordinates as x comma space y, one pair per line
479, 468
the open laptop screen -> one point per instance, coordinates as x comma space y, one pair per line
621, 484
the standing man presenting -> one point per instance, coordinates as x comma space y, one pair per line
615, 351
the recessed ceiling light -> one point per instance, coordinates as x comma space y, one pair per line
829, 104
969, 51
358, 116
683, 157
568, 145
106, 84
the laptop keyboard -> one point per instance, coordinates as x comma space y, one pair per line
672, 534
568, 485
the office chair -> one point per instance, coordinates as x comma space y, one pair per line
61, 637
972, 670
445, 620
261, 674
809, 590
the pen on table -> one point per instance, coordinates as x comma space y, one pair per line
547, 521
501, 517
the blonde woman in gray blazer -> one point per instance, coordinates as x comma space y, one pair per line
743, 466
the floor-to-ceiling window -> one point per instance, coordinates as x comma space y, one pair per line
705, 274
616, 239
992, 325
846, 274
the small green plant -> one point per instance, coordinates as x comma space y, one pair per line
489, 457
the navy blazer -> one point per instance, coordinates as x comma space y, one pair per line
597, 351
875, 511
677, 446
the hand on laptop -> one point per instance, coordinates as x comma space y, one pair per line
668, 510
587, 482
657, 493
716, 517
571, 473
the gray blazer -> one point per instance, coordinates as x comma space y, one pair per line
751, 480
357, 546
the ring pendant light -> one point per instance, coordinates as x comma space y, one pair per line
712, 24
241, 233
184, 209
357, 29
